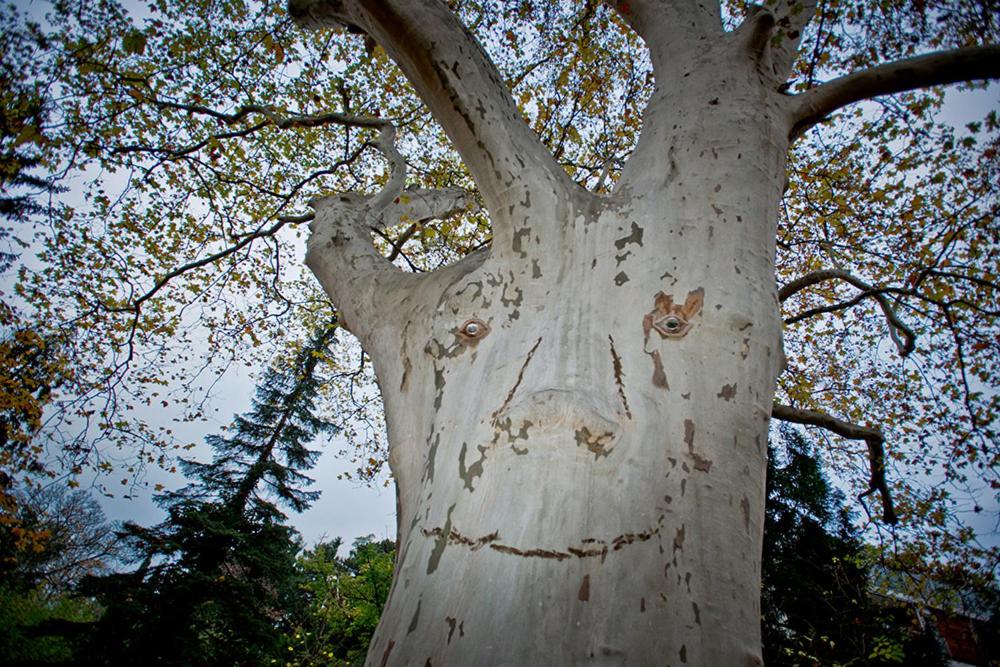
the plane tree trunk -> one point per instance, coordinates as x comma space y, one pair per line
578, 416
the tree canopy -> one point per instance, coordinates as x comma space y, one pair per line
159, 158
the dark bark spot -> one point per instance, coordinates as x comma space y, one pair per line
621, 278
635, 236
536, 271
416, 618
431, 455
516, 244
697, 613
385, 656
701, 464
451, 626
684, 653
642, 605
727, 392
659, 376
584, 594
745, 506
679, 539
439, 544
596, 443
470, 473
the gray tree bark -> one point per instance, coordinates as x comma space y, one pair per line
578, 416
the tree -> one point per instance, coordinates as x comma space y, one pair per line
41, 615
216, 580
818, 601
345, 597
578, 370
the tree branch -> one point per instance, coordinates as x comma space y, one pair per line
872, 437
458, 82
968, 64
669, 27
896, 325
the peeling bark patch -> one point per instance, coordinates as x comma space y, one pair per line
517, 383
385, 656
439, 544
616, 363
416, 618
584, 594
659, 376
701, 464
596, 443
621, 278
745, 506
727, 392
470, 473
689, 435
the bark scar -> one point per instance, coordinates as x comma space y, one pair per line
616, 362
517, 383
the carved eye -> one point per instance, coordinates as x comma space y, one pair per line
473, 330
671, 325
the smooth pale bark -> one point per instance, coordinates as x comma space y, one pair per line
574, 486
578, 416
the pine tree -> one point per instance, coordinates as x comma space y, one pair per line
216, 580
817, 607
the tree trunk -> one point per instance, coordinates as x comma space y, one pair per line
578, 420
578, 416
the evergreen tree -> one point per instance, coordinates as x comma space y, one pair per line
344, 597
817, 607
217, 578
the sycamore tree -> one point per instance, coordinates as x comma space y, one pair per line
591, 250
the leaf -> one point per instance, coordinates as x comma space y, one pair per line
135, 43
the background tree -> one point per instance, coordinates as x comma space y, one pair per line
883, 252
818, 597
41, 616
345, 597
216, 581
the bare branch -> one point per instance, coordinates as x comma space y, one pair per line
896, 325
942, 67
872, 437
459, 83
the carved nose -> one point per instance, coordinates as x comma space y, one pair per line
562, 409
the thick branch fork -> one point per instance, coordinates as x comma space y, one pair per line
455, 78
872, 437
